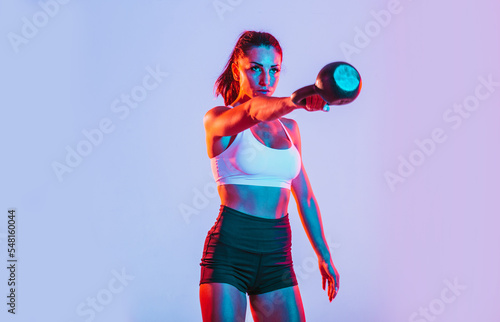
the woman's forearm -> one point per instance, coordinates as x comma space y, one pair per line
313, 226
263, 108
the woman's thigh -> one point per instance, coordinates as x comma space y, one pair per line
221, 302
284, 304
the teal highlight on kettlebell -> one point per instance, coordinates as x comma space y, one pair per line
346, 77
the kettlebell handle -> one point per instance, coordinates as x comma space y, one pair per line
299, 96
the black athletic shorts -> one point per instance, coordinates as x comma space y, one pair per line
251, 253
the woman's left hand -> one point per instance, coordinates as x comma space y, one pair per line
329, 273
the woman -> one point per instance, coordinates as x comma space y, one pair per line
256, 161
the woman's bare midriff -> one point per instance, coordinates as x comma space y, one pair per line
259, 201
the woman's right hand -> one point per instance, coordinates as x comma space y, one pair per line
314, 103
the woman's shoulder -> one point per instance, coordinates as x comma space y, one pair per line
214, 112
218, 109
289, 123
293, 128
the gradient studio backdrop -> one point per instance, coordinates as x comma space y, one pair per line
406, 176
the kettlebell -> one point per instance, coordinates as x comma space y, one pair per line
338, 83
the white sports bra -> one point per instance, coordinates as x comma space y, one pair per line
249, 162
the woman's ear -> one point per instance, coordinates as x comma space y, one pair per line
236, 72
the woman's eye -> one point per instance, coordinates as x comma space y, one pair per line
275, 70
255, 68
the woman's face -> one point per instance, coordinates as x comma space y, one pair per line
258, 72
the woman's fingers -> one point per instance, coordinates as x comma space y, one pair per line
334, 284
330, 290
330, 274
333, 291
337, 285
314, 103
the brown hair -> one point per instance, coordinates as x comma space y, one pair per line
226, 85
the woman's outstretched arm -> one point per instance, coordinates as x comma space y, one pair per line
224, 121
